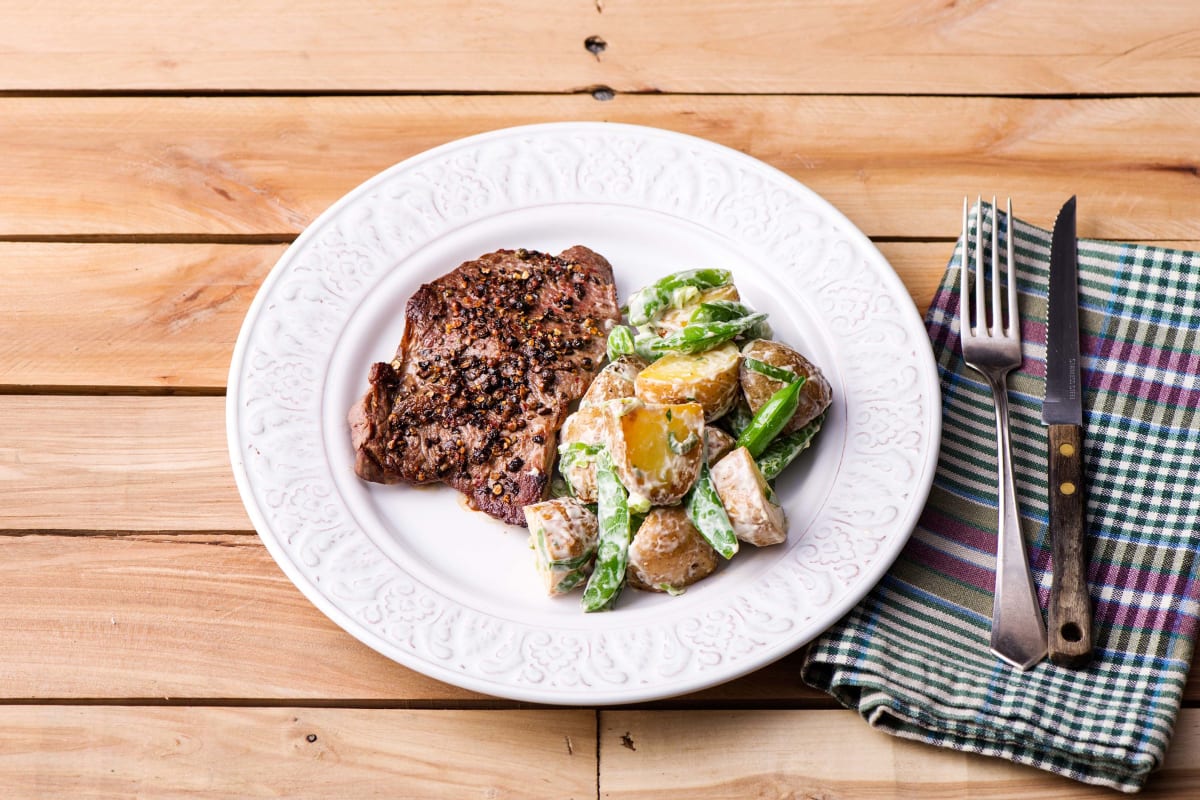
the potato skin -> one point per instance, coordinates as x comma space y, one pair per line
743, 492
638, 439
717, 443
614, 381
815, 395
569, 531
709, 378
586, 426
668, 551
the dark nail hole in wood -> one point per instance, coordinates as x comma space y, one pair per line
603, 93
1070, 631
595, 45
312, 737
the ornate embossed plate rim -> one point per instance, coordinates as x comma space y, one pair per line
255, 487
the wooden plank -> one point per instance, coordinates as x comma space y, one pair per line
167, 315
99, 316
897, 166
714, 754
125, 315
852, 46
180, 616
117, 463
90, 752
210, 616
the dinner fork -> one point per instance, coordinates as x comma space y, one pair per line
1018, 632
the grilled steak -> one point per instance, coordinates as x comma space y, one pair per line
492, 354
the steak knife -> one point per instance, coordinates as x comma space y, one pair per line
1070, 615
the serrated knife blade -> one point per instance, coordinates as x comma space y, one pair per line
1063, 404
1070, 618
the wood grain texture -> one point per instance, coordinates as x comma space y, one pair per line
746, 46
166, 316
125, 315
94, 317
897, 166
717, 754
210, 616
1069, 614
117, 463
236, 753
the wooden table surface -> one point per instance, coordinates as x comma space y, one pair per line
155, 165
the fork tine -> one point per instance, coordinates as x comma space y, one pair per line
997, 312
979, 324
964, 268
1014, 316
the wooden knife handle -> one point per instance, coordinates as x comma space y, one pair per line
1070, 614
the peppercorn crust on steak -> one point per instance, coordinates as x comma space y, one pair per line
492, 355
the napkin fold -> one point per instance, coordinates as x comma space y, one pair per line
912, 658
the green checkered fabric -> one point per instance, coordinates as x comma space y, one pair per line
913, 656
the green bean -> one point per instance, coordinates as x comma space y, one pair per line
726, 311
643, 346
620, 342
784, 450
572, 580
701, 336
770, 370
639, 504
570, 454
707, 513
719, 311
769, 420
676, 289
576, 563
612, 549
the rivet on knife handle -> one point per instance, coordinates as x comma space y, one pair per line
1070, 613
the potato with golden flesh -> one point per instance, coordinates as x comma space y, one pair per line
657, 449
675, 318
562, 533
614, 381
668, 553
587, 426
815, 395
747, 499
709, 378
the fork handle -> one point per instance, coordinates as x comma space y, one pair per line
1018, 633
1070, 606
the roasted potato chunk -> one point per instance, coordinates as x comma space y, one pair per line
746, 496
563, 534
668, 553
614, 381
709, 378
587, 426
657, 449
717, 443
815, 395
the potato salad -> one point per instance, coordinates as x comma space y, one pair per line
667, 466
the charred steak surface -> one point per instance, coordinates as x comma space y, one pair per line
492, 355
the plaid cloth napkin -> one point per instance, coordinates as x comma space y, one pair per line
913, 656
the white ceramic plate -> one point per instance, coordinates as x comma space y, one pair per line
452, 593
